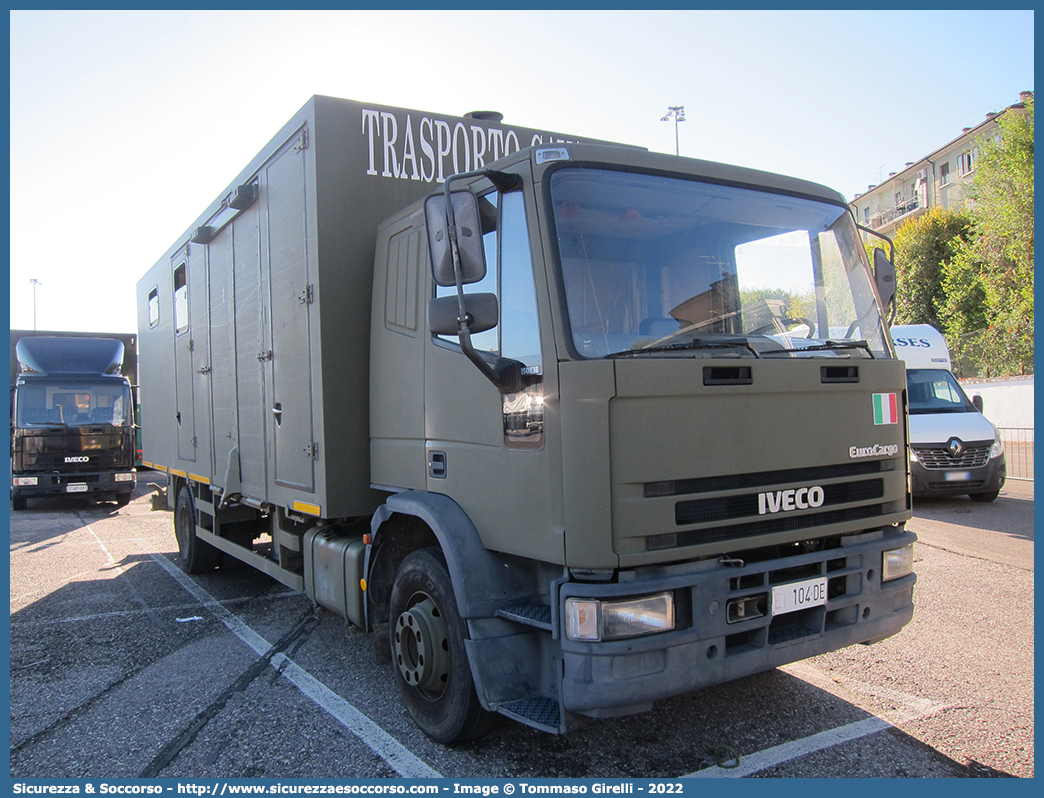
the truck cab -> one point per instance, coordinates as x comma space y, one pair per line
662, 392
72, 420
954, 449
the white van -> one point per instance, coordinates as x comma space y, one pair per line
953, 447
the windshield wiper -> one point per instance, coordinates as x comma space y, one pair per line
694, 344
828, 346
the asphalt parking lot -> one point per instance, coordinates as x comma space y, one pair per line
122, 666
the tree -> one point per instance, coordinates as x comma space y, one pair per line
924, 247
1000, 248
963, 313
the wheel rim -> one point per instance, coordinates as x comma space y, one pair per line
421, 648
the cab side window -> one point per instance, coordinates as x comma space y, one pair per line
509, 275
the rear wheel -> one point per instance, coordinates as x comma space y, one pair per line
427, 646
194, 555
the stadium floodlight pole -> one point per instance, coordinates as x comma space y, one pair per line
677, 113
34, 282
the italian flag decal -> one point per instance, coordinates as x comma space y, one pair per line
886, 409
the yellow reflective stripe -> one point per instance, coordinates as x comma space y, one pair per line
311, 509
198, 478
176, 473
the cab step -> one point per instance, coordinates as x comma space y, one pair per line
539, 712
536, 615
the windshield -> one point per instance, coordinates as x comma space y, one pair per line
935, 391
72, 405
653, 264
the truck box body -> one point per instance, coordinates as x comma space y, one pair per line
72, 415
648, 435
269, 386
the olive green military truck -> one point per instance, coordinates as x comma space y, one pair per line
571, 427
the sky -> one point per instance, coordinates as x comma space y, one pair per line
125, 125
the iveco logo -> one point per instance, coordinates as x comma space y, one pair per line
787, 500
955, 447
77, 459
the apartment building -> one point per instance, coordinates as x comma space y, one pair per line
940, 178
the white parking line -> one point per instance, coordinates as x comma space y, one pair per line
101, 616
404, 762
908, 708
770, 757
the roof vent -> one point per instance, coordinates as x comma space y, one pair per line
485, 116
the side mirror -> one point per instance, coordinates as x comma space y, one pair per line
977, 401
884, 275
483, 311
468, 224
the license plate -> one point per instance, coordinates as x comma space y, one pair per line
957, 476
76, 488
799, 595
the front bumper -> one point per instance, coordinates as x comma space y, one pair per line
942, 481
624, 676
74, 484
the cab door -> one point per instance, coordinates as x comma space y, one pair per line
490, 452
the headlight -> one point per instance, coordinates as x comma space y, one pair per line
22, 481
998, 448
592, 620
124, 477
896, 563
913, 457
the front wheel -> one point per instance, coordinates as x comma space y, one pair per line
194, 555
988, 496
427, 646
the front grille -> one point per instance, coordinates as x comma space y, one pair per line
970, 457
724, 508
98, 461
788, 523
681, 487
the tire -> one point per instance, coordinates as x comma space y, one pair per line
123, 499
989, 496
427, 647
195, 556
18, 503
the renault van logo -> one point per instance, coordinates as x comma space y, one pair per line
955, 447
83, 459
787, 500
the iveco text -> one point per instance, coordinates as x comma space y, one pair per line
787, 500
